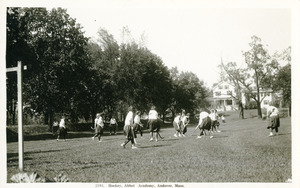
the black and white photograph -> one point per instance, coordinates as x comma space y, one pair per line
150, 94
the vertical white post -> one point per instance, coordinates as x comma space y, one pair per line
20, 116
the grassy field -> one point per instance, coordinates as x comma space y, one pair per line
242, 152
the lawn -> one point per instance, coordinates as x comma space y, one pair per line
242, 152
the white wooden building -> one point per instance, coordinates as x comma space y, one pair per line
224, 97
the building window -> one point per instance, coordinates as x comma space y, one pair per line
266, 102
220, 87
229, 92
218, 93
226, 87
229, 102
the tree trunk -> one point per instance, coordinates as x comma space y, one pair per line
14, 106
94, 105
46, 118
259, 114
51, 117
290, 109
241, 108
173, 116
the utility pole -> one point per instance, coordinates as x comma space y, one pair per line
18, 69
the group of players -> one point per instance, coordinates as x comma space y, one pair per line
208, 121
132, 125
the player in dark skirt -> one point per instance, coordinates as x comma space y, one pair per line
98, 127
185, 121
128, 129
137, 125
113, 124
154, 124
155, 128
274, 120
204, 124
55, 128
62, 131
177, 124
214, 121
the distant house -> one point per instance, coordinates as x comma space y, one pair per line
267, 96
224, 97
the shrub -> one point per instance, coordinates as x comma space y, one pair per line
61, 178
35, 178
25, 178
79, 127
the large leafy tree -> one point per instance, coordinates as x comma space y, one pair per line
157, 83
129, 74
142, 79
283, 84
259, 71
58, 60
188, 92
282, 80
105, 64
17, 49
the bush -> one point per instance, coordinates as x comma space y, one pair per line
25, 178
35, 178
61, 178
79, 127
251, 105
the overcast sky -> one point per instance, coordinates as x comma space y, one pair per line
191, 36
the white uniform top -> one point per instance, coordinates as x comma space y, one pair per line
213, 116
153, 114
113, 121
202, 116
177, 119
62, 123
185, 120
129, 118
137, 119
99, 122
272, 111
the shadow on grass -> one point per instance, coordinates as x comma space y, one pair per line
219, 137
281, 134
9, 155
17, 159
12, 136
168, 139
152, 146
47, 136
14, 157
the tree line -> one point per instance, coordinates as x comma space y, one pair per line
68, 73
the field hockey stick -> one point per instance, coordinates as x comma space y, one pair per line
194, 130
160, 135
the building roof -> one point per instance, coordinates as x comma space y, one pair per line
222, 82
